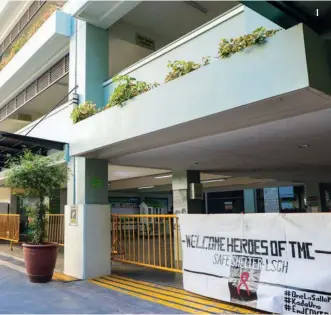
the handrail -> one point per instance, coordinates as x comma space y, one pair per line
182, 40
21, 25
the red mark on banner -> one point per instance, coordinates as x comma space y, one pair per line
243, 279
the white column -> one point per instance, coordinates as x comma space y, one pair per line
182, 203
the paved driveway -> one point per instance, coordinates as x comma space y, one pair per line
18, 295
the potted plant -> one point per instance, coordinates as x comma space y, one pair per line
39, 176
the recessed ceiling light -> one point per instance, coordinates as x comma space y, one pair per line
304, 146
162, 176
145, 187
213, 180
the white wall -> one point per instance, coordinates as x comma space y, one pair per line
57, 126
193, 47
123, 50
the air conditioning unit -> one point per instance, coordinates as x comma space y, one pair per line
24, 117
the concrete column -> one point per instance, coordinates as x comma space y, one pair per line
181, 181
182, 203
89, 59
87, 236
250, 201
313, 196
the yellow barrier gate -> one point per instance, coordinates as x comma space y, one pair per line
55, 228
10, 227
147, 240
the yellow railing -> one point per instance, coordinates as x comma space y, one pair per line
10, 227
55, 228
147, 240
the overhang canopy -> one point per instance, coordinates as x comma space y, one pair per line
314, 14
13, 144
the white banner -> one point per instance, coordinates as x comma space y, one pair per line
273, 262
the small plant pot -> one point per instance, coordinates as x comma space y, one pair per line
40, 261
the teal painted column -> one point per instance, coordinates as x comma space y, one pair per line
89, 60
250, 201
87, 231
88, 182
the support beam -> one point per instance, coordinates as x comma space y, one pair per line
89, 62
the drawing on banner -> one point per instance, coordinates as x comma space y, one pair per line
243, 283
280, 264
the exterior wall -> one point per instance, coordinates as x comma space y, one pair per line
123, 50
43, 49
200, 43
318, 58
56, 126
284, 53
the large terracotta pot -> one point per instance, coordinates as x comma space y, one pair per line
40, 261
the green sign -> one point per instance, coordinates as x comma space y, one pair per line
97, 182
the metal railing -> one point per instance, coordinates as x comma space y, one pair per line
21, 24
51, 76
10, 227
147, 240
55, 228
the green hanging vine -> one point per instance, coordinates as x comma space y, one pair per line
234, 45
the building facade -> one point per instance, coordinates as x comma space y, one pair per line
250, 124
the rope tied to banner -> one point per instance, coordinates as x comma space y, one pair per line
243, 282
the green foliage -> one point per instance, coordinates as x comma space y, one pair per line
179, 68
23, 39
126, 89
234, 45
83, 111
39, 176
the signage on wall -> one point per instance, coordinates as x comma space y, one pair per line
228, 205
145, 42
273, 262
73, 216
124, 202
